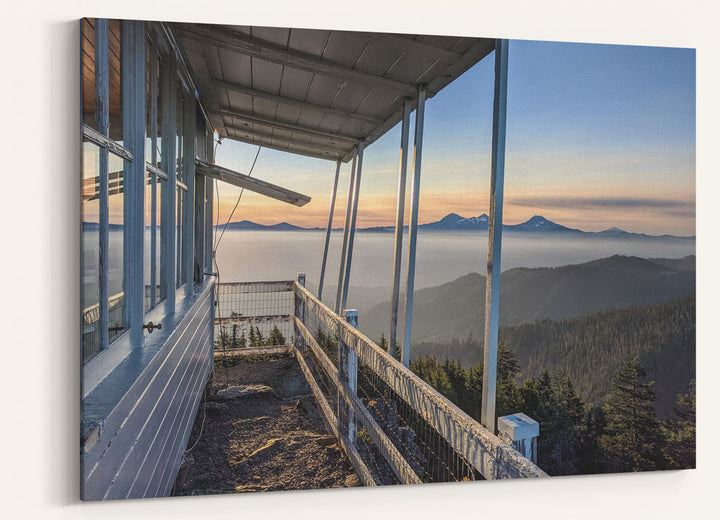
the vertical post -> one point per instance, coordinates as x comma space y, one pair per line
412, 239
333, 193
188, 234
153, 159
300, 313
169, 193
492, 292
399, 217
346, 232
353, 223
134, 61
351, 368
102, 113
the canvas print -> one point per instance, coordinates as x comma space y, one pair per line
315, 258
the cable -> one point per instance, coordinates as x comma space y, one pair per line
202, 425
217, 244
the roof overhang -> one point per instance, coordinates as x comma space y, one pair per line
312, 92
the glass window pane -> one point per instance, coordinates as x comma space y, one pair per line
116, 221
148, 242
88, 72
90, 293
179, 237
158, 242
116, 122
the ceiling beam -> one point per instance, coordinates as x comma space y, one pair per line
251, 183
294, 102
231, 112
325, 151
243, 44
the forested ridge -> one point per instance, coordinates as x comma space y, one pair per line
592, 347
623, 434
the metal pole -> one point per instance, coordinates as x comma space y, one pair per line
400, 215
492, 292
412, 242
353, 222
346, 232
333, 193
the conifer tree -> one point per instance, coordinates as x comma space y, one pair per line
680, 449
243, 340
632, 440
276, 337
253, 338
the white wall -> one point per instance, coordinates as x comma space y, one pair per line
39, 208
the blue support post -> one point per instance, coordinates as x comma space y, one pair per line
333, 194
492, 293
353, 224
133, 89
412, 239
346, 233
399, 217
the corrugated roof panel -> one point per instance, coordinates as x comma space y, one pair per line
263, 107
275, 35
409, 68
287, 112
378, 58
349, 97
295, 83
266, 76
235, 67
441, 42
322, 89
356, 89
345, 47
309, 41
239, 101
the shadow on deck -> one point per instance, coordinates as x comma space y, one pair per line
260, 429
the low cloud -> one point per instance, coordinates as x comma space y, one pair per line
677, 206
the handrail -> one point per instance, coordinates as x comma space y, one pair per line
493, 458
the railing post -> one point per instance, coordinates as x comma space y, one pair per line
521, 432
299, 342
351, 368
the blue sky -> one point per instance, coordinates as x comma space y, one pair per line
597, 136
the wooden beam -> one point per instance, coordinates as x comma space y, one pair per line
327, 152
251, 183
243, 44
290, 127
304, 105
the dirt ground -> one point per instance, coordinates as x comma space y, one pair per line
261, 431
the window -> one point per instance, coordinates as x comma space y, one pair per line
104, 316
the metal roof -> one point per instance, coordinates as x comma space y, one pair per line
316, 92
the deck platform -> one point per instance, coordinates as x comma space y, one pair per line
260, 430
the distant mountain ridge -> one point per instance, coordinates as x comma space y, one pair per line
457, 309
454, 222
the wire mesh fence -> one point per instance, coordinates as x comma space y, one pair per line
253, 314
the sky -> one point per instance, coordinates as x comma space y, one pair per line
598, 136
